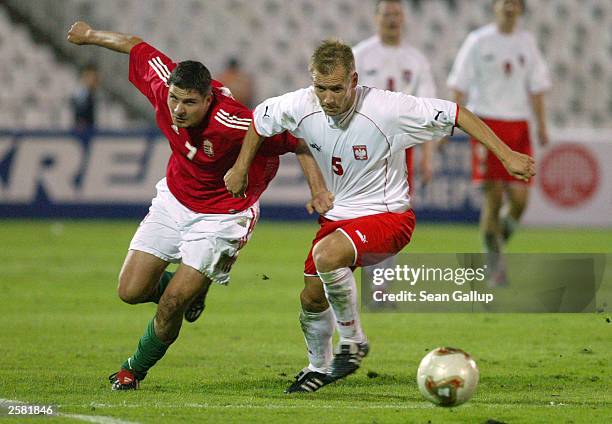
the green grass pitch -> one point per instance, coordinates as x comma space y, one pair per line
64, 331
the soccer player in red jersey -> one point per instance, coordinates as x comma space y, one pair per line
193, 220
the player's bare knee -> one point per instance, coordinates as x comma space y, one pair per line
517, 208
325, 256
125, 288
313, 301
129, 294
493, 206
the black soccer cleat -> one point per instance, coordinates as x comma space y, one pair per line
308, 380
196, 308
123, 380
347, 359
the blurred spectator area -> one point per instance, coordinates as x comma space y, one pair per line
273, 40
37, 87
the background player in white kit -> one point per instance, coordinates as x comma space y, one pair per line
501, 73
357, 135
387, 61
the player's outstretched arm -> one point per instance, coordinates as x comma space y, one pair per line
322, 199
81, 33
518, 165
236, 179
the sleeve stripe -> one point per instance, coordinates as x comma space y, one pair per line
162, 66
456, 120
219, 118
456, 115
233, 118
158, 72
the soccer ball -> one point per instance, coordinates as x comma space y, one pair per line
447, 376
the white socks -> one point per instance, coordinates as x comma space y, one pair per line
318, 328
341, 292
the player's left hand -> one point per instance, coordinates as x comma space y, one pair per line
520, 166
236, 182
320, 203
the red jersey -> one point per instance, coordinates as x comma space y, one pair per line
201, 156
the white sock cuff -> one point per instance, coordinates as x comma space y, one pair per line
317, 315
334, 276
322, 370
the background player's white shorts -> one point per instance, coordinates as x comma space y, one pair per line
206, 242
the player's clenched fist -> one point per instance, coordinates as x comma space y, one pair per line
236, 182
320, 203
78, 32
520, 166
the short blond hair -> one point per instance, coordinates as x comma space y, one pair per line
378, 2
329, 55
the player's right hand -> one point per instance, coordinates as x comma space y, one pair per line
520, 166
320, 203
236, 182
78, 33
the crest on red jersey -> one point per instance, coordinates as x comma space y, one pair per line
207, 146
360, 152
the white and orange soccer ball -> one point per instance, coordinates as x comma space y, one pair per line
447, 376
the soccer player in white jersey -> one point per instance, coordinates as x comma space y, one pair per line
500, 72
357, 135
387, 61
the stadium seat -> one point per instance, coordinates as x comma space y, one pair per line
274, 39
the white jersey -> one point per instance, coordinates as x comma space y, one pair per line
395, 68
498, 72
361, 152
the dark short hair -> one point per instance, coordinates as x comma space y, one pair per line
191, 75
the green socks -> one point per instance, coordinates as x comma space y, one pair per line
150, 350
159, 290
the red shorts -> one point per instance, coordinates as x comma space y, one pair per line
374, 237
485, 166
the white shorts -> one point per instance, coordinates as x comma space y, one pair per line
206, 242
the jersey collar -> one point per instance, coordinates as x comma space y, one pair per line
342, 121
